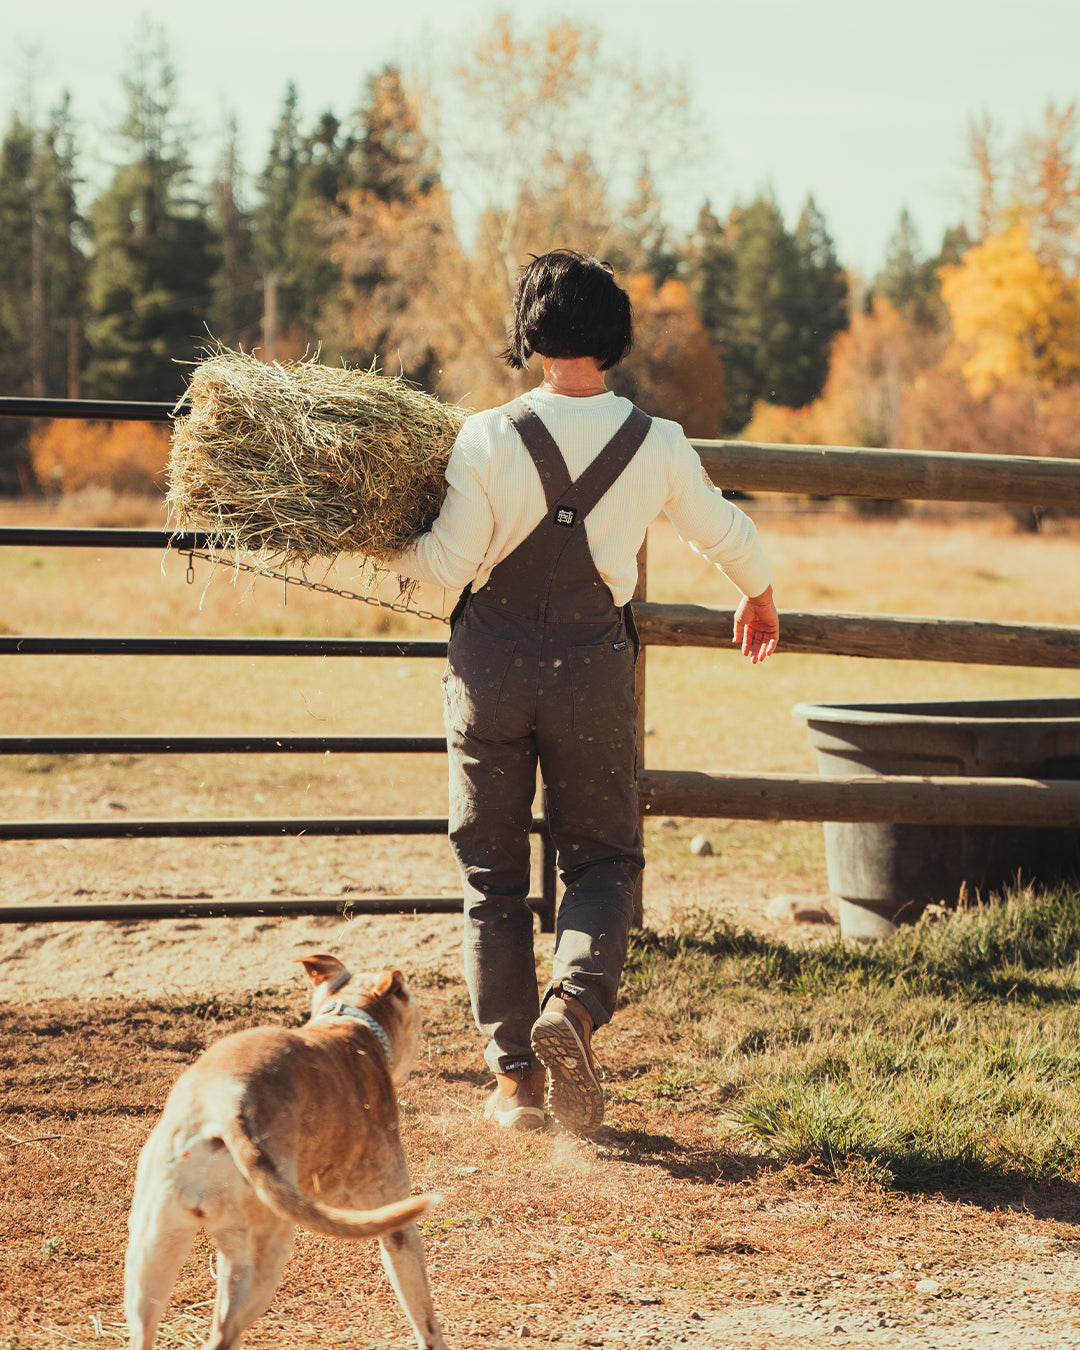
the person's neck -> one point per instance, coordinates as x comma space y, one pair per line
573, 376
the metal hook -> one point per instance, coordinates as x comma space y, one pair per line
189, 575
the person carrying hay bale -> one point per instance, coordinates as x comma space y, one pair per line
547, 504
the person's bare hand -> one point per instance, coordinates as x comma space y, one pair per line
757, 626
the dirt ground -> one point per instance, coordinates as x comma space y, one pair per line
217, 957
651, 1234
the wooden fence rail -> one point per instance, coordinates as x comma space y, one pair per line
897, 800
888, 636
908, 475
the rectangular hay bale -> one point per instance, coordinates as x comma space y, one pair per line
295, 460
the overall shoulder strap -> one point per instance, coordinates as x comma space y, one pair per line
542, 448
603, 472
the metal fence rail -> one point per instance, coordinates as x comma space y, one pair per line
214, 646
131, 911
92, 409
222, 745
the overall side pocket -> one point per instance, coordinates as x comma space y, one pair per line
476, 666
602, 687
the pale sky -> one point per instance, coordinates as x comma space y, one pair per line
864, 103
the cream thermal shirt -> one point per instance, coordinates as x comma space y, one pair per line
494, 500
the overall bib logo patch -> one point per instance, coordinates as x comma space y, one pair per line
565, 515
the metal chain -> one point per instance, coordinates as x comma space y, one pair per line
319, 586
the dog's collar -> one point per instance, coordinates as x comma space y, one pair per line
339, 1008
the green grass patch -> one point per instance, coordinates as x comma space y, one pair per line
948, 1056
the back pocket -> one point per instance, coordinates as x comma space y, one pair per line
473, 682
602, 686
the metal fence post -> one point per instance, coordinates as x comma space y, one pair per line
639, 689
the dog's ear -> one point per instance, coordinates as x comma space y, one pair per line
321, 967
391, 982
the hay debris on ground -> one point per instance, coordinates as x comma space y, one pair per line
297, 460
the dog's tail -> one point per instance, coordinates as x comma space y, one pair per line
286, 1200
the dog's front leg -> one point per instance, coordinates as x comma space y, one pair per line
402, 1255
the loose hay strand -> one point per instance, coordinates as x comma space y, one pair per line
292, 461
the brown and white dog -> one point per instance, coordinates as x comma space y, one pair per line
271, 1128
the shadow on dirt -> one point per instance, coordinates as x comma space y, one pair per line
702, 1165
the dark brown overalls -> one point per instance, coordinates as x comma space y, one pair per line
541, 668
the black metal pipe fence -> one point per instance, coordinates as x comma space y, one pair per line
316, 827
92, 409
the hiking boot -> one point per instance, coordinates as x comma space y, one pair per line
561, 1042
518, 1100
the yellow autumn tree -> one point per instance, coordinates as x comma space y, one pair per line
1014, 298
1006, 378
547, 137
1016, 315
392, 239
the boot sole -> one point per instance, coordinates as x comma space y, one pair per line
574, 1095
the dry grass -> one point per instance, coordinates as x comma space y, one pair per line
293, 461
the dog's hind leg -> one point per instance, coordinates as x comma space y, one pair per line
156, 1250
402, 1255
252, 1252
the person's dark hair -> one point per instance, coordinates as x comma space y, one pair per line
569, 304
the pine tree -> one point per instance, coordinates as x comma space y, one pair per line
16, 166
955, 242
823, 292
391, 236
909, 279
152, 261
302, 184
237, 286
63, 255
767, 302
41, 263
279, 188
41, 275
16, 215
397, 161
771, 302
643, 242
708, 266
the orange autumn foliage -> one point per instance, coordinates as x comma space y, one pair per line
1008, 421
873, 366
126, 457
673, 370
1005, 377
